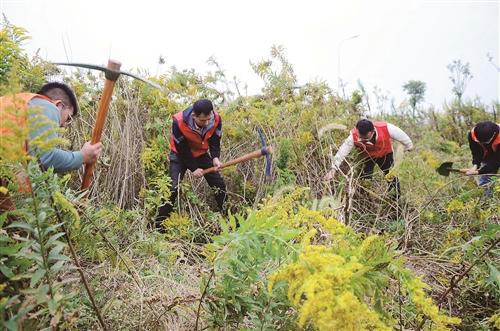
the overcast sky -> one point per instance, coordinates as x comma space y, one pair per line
398, 40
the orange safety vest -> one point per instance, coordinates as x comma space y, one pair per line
197, 143
382, 145
13, 111
495, 144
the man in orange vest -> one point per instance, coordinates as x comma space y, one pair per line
373, 139
484, 143
196, 132
57, 102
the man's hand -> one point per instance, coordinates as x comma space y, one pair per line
217, 163
330, 175
198, 173
472, 171
90, 153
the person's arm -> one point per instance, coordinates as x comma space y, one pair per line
343, 151
61, 160
214, 141
182, 147
491, 164
476, 151
401, 136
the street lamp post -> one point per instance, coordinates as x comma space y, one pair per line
339, 83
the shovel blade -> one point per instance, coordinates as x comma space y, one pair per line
445, 169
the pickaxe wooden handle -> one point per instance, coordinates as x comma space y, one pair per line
246, 157
102, 112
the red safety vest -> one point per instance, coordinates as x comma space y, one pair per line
13, 112
197, 143
495, 144
382, 146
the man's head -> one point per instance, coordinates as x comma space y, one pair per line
64, 98
486, 131
202, 112
366, 130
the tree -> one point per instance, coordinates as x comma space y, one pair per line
460, 77
415, 90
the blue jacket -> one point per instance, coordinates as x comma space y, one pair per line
61, 160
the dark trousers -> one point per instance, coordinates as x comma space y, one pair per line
178, 169
385, 164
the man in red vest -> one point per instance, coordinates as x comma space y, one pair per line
373, 139
196, 131
484, 143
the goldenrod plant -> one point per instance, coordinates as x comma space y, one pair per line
298, 252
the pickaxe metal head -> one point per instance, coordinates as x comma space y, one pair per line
110, 74
267, 152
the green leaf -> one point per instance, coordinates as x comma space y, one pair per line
494, 277
56, 268
10, 250
55, 251
37, 275
21, 225
6, 271
53, 238
53, 305
42, 216
223, 226
11, 324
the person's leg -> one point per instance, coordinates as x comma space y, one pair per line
177, 171
385, 163
214, 180
368, 165
485, 181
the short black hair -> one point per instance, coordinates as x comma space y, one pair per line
50, 90
364, 126
203, 106
485, 130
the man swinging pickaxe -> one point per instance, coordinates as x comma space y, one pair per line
195, 145
111, 73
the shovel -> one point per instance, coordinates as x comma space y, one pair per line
447, 167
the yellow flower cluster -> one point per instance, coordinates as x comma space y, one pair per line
429, 158
495, 320
68, 208
457, 206
320, 286
415, 289
333, 282
177, 225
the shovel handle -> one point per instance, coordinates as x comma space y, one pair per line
102, 112
463, 171
246, 157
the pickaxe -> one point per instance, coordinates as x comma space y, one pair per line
264, 151
111, 73
447, 167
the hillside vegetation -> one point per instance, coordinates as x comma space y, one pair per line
293, 253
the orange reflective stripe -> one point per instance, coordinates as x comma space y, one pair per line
197, 144
495, 144
383, 144
13, 111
